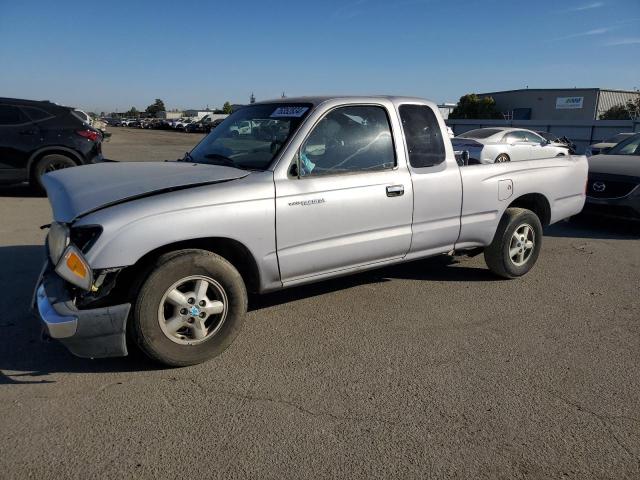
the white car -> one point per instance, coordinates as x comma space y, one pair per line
181, 124
501, 144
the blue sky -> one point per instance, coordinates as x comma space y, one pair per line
103, 55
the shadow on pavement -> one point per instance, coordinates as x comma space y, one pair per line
441, 269
19, 190
584, 226
23, 351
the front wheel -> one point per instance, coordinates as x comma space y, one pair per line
516, 244
502, 158
189, 309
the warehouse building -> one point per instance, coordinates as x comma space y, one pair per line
557, 104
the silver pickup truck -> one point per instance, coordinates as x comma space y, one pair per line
161, 255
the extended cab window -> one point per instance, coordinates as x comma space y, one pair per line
423, 136
349, 139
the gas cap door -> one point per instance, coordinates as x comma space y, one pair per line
505, 189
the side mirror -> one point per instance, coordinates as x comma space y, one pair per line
294, 171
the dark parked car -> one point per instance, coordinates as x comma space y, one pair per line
613, 188
37, 137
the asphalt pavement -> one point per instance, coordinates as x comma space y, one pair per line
434, 369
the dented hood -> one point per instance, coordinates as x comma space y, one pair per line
74, 192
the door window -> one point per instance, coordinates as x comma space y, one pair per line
36, 114
348, 139
534, 138
10, 115
515, 137
423, 136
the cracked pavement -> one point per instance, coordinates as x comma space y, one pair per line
434, 369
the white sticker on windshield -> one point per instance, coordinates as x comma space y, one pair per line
289, 112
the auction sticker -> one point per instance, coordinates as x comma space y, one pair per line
289, 112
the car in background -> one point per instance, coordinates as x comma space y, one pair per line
37, 137
181, 124
113, 122
558, 141
205, 125
608, 144
613, 186
503, 144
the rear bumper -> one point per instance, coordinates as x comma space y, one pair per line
94, 333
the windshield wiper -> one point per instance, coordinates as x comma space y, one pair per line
222, 160
187, 157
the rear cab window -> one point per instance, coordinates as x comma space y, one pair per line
423, 136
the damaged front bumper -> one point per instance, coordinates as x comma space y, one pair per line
90, 333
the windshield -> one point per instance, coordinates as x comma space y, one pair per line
618, 138
631, 146
480, 133
549, 136
251, 137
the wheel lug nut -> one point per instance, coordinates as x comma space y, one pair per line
183, 311
191, 320
191, 301
202, 314
202, 303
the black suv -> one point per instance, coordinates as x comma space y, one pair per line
37, 137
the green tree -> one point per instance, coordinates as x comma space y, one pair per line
132, 112
153, 109
227, 108
623, 111
472, 106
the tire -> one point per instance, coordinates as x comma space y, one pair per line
502, 158
498, 254
46, 164
197, 340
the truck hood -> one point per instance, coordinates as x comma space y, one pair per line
77, 191
628, 165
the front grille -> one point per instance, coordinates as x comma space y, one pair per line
599, 187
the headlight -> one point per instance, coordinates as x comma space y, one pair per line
75, 269
58, 239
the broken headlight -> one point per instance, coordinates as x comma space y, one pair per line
57, 240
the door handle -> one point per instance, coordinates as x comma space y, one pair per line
395, 190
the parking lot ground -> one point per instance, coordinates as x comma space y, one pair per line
135, 144
430, 369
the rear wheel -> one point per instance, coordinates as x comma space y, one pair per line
516, 244
47, 164
503, 157
189, 309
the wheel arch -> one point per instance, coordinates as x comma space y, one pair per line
53, 150
231, 250
537, 203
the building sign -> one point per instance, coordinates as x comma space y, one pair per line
568, 102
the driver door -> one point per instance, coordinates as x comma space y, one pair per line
349, 205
